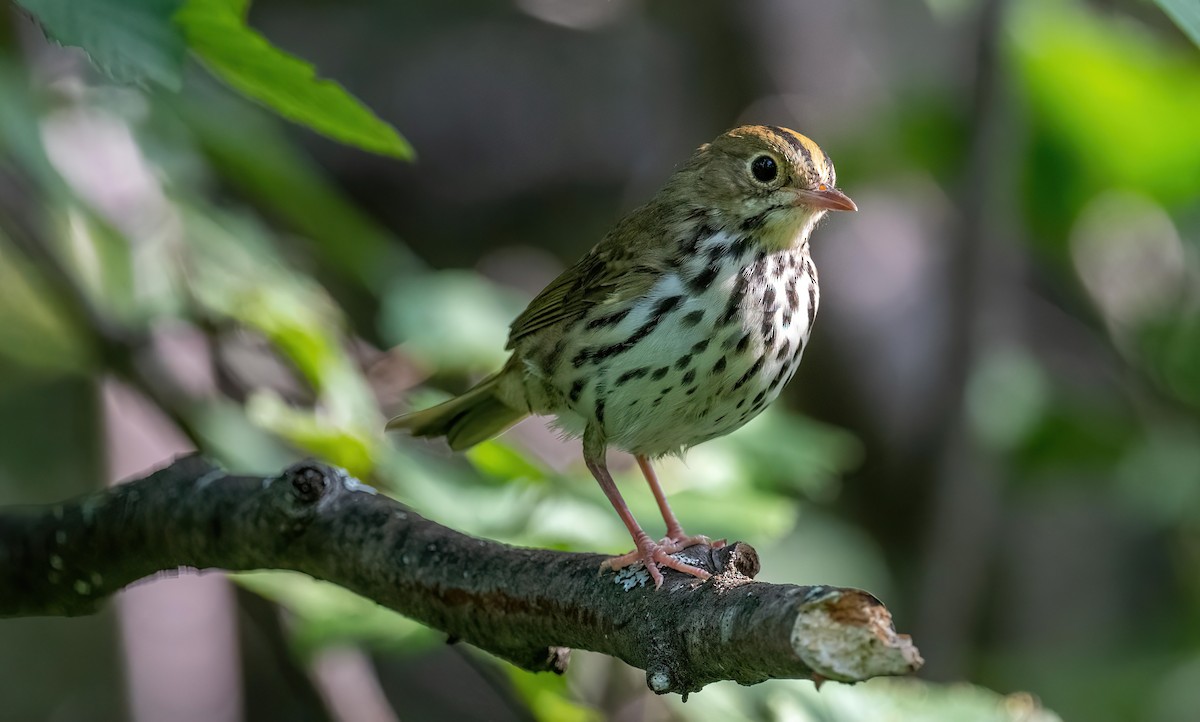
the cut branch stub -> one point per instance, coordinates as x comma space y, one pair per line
848, 635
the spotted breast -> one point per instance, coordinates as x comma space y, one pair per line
700, 354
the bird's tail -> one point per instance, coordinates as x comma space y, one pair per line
464, 420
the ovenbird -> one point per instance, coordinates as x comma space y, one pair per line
681, 325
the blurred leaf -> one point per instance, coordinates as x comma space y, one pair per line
949, 11
548, 697
503, 462
1006, 396
304, 333
452, 320
21, 132
1128, 253
578, 520
740, 487
1186, 14
234, 440
1170, 350
1175, 694
1074, 437
450, 492
1086, 678
1112, 107
352, 451
748, 514
33, 333
847, 556
328, 615
879, 700
133, 41
932, 134
102, 259
261, 161
216, 31
783, 450
1160, 475
576, 513
233, 271
952, 10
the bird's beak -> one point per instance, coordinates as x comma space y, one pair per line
830, 199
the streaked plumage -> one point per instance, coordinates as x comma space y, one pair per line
681, 325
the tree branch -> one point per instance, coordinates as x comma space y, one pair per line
528, 606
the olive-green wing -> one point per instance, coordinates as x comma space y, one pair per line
608, 274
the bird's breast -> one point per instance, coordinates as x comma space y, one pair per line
704, 351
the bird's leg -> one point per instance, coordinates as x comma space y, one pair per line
649, 552
675, 531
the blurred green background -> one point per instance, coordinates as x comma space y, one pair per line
995, 429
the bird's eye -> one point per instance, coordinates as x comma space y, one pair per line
764, 169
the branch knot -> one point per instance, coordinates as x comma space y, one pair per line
309, 481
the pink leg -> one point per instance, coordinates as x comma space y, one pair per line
674, 529
649, 552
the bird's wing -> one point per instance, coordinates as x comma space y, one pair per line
610, 273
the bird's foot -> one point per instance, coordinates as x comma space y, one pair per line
655, 554
683, 541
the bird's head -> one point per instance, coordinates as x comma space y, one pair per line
766, 177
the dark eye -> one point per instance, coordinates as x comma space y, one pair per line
764, 169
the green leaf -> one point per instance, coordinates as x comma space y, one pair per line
133, 41
453, 321
1007, 396
266, 165
1111, 108
351, 449
234, 274
1186, 14
34, 332
779, 450
327, 615
889, 700
548, 697
216, 31
504, 463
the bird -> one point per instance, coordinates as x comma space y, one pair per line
682, 324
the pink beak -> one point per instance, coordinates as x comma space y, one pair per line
831, 199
